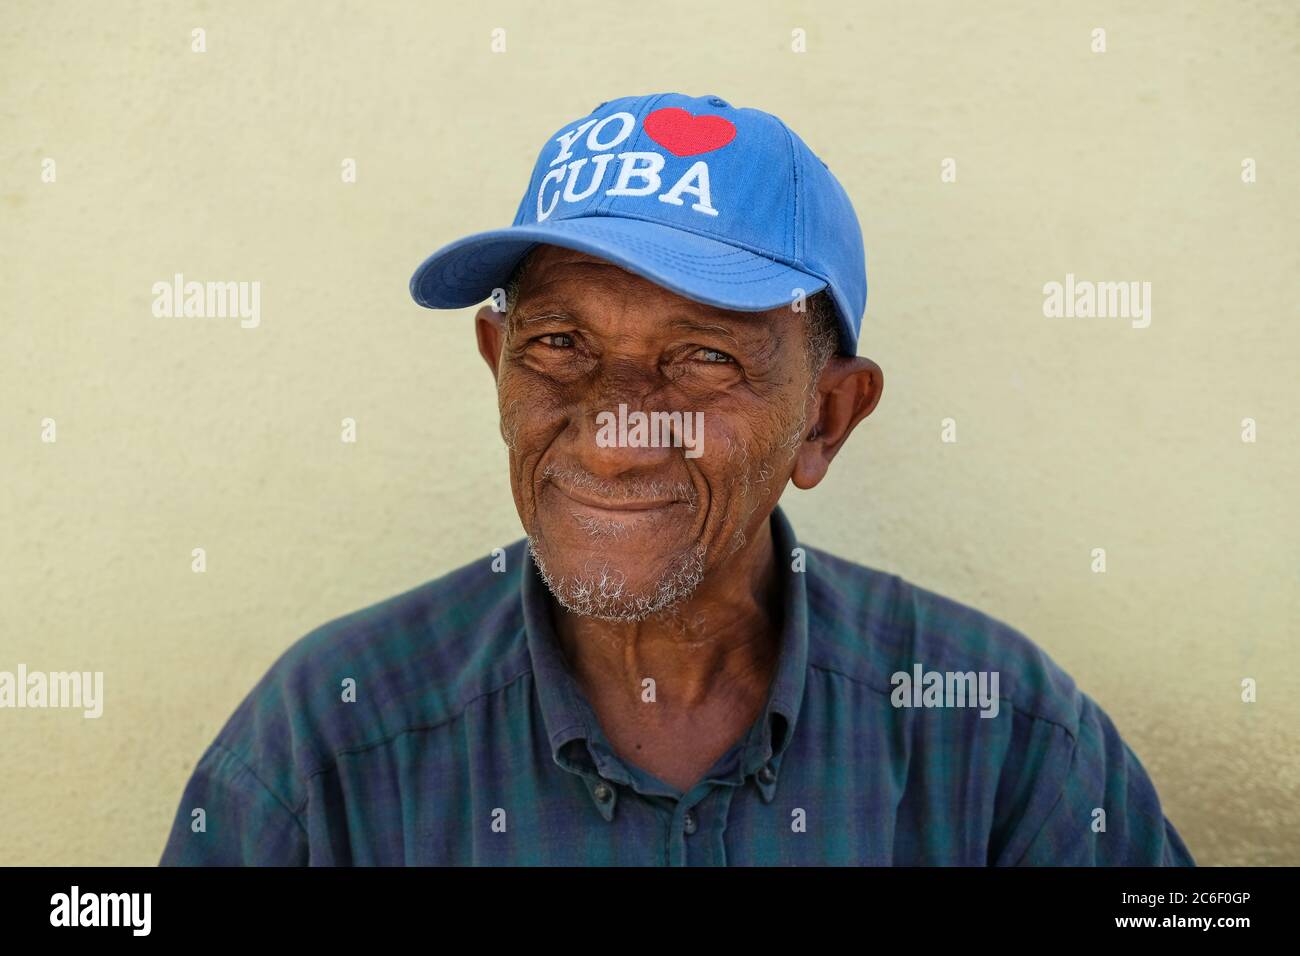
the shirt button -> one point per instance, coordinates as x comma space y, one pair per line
688, 823
767, 774
603, 793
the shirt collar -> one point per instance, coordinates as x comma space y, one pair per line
570, 721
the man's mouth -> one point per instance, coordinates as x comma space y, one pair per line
617, 507
592, 509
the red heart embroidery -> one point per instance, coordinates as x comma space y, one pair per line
685, 135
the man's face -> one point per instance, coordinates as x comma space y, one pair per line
624, 532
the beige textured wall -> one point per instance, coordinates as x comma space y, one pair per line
1073, 434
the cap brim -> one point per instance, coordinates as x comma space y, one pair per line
706, 270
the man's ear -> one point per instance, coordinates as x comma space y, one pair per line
847, 392
490, 327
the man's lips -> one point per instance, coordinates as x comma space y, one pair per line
612, 505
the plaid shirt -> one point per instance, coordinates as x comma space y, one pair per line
469, 742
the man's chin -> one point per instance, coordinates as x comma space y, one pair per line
617, 581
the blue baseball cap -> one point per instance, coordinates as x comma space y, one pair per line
719, 204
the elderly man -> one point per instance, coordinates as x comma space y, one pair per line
661, 672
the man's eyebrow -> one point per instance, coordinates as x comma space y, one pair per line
518, 321
748, 329
694, 325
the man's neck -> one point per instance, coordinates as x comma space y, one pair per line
720, 642
711, 661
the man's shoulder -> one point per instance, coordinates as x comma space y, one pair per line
870, 624
410, 662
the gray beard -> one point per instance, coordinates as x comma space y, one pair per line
603, 594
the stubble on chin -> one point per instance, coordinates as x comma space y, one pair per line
602, 591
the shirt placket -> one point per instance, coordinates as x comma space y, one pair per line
695, 834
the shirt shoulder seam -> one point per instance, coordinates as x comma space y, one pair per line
410, 729
1029, 845
896, 598
265, 786
884, 693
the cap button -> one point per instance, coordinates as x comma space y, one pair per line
718, 101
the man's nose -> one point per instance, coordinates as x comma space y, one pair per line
622, 431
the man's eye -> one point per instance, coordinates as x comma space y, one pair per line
557, 340
713, 355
